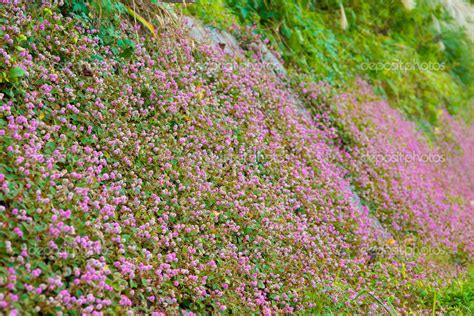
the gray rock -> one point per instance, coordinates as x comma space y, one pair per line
203, 33
211, 35
268, 57
375, 223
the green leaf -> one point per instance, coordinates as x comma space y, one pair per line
16, 72
286, 31
244, 12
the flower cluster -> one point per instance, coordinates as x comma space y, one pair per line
415, 185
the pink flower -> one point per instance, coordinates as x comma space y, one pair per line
36, 273
125, 301
18, 231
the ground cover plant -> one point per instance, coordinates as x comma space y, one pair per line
142, 172
412, 52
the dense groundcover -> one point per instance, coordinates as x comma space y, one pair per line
174, 178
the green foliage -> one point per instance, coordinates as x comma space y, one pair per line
458, 298
459, 54
213, 12
109, 11
16, 72
381, 33
105, 8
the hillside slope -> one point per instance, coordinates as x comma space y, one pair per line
156, 174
